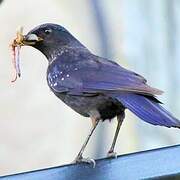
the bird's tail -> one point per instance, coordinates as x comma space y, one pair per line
148, 109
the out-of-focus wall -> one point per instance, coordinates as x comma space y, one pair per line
36, 129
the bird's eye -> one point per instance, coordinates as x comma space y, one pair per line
47, 31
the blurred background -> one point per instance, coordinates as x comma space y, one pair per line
36, 129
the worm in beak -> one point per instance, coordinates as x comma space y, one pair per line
21, 40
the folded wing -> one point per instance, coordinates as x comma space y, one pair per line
75, 74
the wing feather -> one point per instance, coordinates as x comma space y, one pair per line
92, 74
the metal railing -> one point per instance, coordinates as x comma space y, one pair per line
163, 163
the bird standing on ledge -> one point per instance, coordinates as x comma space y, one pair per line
93, 86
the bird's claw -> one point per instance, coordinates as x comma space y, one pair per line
112, 154
85, 160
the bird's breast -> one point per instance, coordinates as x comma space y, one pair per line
63, 77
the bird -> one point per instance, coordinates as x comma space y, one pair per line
94, 86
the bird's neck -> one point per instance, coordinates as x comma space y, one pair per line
56, 53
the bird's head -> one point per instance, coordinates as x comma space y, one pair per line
50, 38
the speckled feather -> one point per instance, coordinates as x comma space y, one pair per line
82, 72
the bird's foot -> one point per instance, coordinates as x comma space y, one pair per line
85, 160
111, 154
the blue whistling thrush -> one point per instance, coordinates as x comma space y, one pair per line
93, 86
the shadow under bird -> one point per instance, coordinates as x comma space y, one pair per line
93, 86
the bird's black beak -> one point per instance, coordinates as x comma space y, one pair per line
31, 39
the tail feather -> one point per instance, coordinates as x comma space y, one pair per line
148, 110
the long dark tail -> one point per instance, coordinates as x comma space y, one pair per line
148, 109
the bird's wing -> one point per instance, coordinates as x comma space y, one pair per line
148, 109
91, 74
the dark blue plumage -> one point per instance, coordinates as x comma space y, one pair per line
94, 86
95, 74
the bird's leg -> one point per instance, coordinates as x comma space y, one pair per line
111, 152
79, 157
